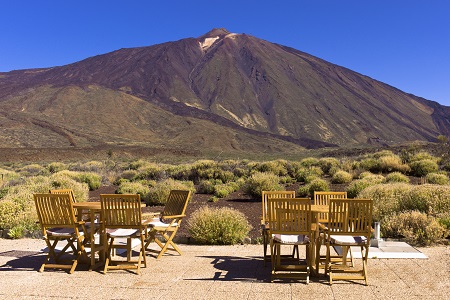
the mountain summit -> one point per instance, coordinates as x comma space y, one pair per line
221, 91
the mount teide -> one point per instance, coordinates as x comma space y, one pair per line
219, 92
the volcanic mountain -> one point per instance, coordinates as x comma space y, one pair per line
220, 91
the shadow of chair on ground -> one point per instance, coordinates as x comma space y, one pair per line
22, 260
28, 261
237, 268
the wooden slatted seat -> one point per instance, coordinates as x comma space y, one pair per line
58, 222
163, 228
349, 224
290, 224
122, 218
265, 218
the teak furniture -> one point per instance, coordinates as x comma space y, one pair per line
122, 218
163, 228
289, 224
57, 219
265, 218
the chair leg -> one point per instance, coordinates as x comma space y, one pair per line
108, 255
265, 237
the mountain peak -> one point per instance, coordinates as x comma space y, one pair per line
215, 32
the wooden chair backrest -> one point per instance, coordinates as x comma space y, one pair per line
64, 191
176, 203
289, 215
350, 217
323, 198
54, 210
121, 211
272, 194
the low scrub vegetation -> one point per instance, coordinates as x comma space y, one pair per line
391, 180
218, 226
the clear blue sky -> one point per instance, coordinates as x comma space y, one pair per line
404, 43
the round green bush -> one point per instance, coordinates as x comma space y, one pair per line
342, 177
277, 167
218, 226
436, 178
317, 184
262, 181
428, 198
392, 163
386, 198
370, 164
206, 186
303, 174
327, 163
56, 167
309, 162
396, 177
423, 167
416, 227
33, 170
159, 193
127, 187
93, 180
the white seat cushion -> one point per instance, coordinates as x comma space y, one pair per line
160, 224
291, 239
56, 231
122, 232
348, 240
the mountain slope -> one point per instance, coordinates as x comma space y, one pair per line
228, 87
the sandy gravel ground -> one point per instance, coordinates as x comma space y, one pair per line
215, 272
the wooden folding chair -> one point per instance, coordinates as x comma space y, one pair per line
166, 227
323, 198
265, 218
290, 224
122, 218
57, 219
349, 224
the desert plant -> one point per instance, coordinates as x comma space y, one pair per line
55, 167
317, 184
423, 155
159, 193
423, 167
309, 162
428, 198
327, 163
17, 232
135, 188
356, 186
396, 177
223, 190
206, 186
129, 175
150, 171
370, 164
342, 177
33, 170
386, 198
416, 227
218, 226
303, 174
436, 178
93, 180
261, 181
277, 167
392, 163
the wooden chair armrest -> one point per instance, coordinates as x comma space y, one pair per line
323, 227
174, 217
150, 215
